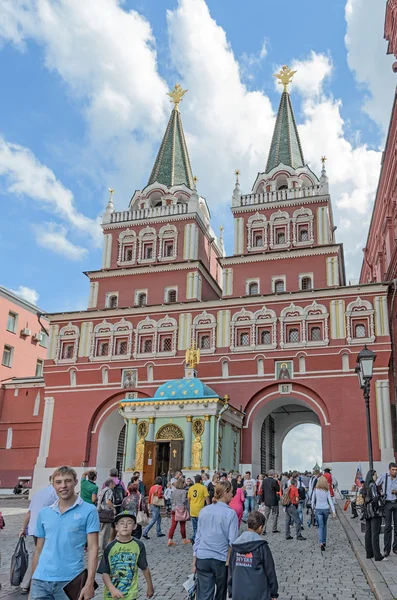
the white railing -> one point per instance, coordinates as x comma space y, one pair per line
280, 195
147, 213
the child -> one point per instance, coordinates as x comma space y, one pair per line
251, 566
121, 560
167, 497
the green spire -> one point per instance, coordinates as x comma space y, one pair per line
285, 147
172, 165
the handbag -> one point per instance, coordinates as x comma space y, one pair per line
142, 518
181, 513
105, 512
19, 563
156, 501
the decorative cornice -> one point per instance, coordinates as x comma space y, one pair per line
281, 203
173, 402
271, 255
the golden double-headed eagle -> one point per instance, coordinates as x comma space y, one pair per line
192, 356
285, 76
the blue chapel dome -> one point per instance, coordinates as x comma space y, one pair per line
181, 389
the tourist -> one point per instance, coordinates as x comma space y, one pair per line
141, 486
292, 511
179, 513
42, 498
258, 490
59, 554
119, 491
388, 481
284, 481
373, 516
237, 502
156, 502
188, 483
206, 479
197, 497
270, 498
302, 496
312, 484
106, 512
211, 487
322, 504
217, 531
328, 477
250, 487
178, 475
122, 559
88, 487
252, 574
133, 503
167, 499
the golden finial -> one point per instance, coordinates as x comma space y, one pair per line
285, 76
111, 190
192, 356
195, 180
221, 229
237, 174
176, 95
323, 159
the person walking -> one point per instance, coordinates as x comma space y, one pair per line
373, 516
292, 511
211, 487
119, 490
322, 504
106, 512
156, 502
252, 573
217, 530
88, 487
250, 488
136, 479
237, 502
388, 481
258, 490
42, 498
179, 512
63, 530
197, 497
270, 497
133, 503
329, 478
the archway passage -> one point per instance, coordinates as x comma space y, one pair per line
302, 448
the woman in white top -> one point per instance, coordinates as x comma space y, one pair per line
322, 503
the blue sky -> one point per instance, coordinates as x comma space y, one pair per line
84, 107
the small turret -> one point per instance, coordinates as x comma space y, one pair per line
324, 176
109, 208
237, 191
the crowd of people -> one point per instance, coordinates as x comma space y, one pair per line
110, 525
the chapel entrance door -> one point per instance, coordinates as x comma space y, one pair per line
163, 459
149, 464
176, 455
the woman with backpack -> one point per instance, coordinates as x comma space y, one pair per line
106, 514
156, 502
373, 516
135, 503
179, 511
322, 504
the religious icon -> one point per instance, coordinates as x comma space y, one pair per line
284, 369
197, 451
128, 378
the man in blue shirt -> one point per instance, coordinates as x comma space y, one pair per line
217, 530
63, 529
388, 481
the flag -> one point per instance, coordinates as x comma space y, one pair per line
359, 478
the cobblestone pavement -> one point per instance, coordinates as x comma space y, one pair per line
304, 572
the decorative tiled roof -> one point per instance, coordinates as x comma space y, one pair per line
172, 165
285, 147
184, 389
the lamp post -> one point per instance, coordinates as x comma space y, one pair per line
364, 370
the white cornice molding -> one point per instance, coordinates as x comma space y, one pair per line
271, 255
280, 203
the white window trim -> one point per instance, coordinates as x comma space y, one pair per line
302, 276
277, 278
248, 283
41, 362
356, 310
69, 333
9, 439
107, 299
124, 241
171, 288
11, 356
136, 295
11, 312
205, 323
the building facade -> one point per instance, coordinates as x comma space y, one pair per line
277, 328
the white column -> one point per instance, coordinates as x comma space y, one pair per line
384, 420
187, 448
130, 451
150, 435
46, 431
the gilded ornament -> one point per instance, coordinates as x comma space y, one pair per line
176, 95
192, 357
197, 452
140, 448
198, 427
170, 431
143, 429
285, 76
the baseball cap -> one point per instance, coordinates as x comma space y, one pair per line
125, 513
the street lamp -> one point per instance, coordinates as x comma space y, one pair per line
364, 370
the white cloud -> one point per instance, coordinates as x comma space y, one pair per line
367, 58
53, 237
302, 448
27, 294
312, 73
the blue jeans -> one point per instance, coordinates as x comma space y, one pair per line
47, 590
194, 523
322, 515
249, 505
156, 518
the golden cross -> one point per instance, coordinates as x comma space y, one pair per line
221, 228
176, 95
285, 76
323, 159
111, 193
174, 452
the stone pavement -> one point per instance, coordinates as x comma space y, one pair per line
304, 572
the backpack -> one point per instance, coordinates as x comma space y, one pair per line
118, 494
286, 500
301, 492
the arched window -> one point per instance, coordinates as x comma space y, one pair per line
112, 301
225, 368
306, 283
279, 286
142, 299
360, 331
147, 346
67, 350
244, 339
283, 187
260, 367
315, 334
293, 336
166, 344
171, 296
253, 288
303, 234
266, 337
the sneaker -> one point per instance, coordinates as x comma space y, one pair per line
276, 531
302, 528
145, 536
161, 535
300, 537
322, 547
289, 537
386, 554
171, 543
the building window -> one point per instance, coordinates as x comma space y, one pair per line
293, 336
39, 368
112, 301
43, 340
253, 288
12, 322
128, 254
360, 331
7, 356
148, 251
171, 296
166, 344
279, 286
303, 234
103, 348
306, 283
67, 351
204, 342
142, 299
265, 338
280, 237
147, 346
315, 334
244, 339
121, 347
168, 248
257, 239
